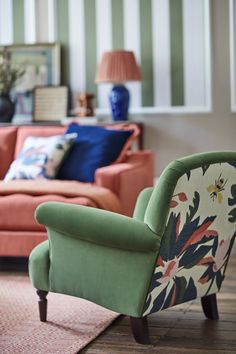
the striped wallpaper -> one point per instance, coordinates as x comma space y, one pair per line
232, 17
170, 38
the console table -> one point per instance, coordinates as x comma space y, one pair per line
99, 123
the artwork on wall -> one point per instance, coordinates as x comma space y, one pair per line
42, 67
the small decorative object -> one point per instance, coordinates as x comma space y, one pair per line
117, 67
50, 103
85, 105
8, 77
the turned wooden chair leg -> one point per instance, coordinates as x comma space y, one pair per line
209, 306
139, 326
42, 305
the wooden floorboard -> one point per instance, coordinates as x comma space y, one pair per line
182, 329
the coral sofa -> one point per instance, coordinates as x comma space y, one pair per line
115, 188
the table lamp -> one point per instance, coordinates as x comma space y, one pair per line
117, 67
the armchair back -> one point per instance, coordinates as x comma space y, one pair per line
193, 211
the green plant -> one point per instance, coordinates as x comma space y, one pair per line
8, 74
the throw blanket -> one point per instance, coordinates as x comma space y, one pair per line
102, 197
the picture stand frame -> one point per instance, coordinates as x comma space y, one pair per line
50, 103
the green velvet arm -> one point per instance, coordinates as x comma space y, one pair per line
97, 226
141, 204
39, 266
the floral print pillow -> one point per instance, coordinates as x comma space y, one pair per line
40, 157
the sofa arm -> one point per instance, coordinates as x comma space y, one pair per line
106, 229
129, 178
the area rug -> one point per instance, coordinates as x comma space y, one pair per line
72, 322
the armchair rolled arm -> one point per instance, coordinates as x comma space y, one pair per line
97, 226
127, 179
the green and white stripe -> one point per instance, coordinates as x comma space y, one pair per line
6, 28
17, 20
30, 21
103, 42
232, 17
77, 47
131, 10
170, 39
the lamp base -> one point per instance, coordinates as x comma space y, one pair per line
119, 101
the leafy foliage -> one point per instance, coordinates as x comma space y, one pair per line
8, 74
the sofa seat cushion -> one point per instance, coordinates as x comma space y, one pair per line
19, 198
17, 211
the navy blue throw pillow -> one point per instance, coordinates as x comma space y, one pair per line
94, 147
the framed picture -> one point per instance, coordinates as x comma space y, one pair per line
42, 67
50, 103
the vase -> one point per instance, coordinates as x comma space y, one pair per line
7, 109
119, 101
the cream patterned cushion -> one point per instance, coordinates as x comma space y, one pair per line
40, 157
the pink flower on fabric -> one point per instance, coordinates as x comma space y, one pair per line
180, 196
220, 255
171, 267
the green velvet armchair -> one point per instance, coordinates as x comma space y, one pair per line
174, 249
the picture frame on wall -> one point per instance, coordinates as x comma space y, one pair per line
42, 65
50, 103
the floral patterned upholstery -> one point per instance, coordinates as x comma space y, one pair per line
198, 237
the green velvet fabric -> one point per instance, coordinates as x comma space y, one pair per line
97, 226
117, 279
96, 254
158, 206
39, 266
141, 204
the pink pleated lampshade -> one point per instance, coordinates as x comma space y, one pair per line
118, 66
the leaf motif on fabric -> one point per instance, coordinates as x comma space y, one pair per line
232, 163
204, 169
188, 173
232, 201
200, 232
159, 301
232, 215
193, 208
181, 197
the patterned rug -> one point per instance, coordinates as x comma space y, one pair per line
72, 322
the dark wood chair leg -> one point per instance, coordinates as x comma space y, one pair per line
209, 306
139, 326
42, 305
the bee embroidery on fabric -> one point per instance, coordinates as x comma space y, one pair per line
216, 189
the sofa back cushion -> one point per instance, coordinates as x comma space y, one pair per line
128, 144
42, 131
7, 148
